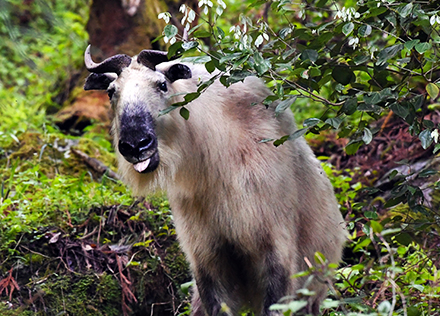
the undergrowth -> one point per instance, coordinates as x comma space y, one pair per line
73, 241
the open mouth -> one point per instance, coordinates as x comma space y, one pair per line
142, 166
147, 165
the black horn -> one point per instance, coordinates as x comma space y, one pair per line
151, 58
112, 64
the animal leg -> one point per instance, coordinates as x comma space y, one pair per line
277, 283
196, 303
206, 299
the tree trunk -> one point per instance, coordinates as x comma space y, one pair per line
124, 26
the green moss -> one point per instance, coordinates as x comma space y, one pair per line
176, 262
72, 294
89, 295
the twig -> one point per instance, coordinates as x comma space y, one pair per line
393, 272
89, 234
152, 306
95, 164
127, 294
34, 252
10, 282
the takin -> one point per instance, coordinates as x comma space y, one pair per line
248, 215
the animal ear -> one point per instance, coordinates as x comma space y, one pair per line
178, 71
98, 81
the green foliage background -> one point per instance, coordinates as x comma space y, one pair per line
340, 66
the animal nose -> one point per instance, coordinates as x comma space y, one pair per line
136, 148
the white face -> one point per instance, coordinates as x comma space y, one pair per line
137, 94
139, 87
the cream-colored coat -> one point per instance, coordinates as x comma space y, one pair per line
227, 190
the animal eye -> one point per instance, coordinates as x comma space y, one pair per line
163, 86
110, 92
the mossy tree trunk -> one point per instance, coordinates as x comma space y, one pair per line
123, 26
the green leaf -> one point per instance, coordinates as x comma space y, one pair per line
394, 201
256, 3
239, 62
392, 19
432, 90
325, 37
410, 44
422, 47
387, 94
343, 75
170, 31
363, 107
310, 122
184, 113
186, 286
391, 230
372, 98
404, 239
388, 53
413, 310
417, 102
349, 106
237, 75
427, 173
393, 174
285, 104
157, 39
168, 110
285, 31
220, 32
348, 28
371, 215
399, 109
175, 49
296, 306
230, 57
189, 45
202, 34
197, 59
319, 258
384, 307
364, 243
352, 147
298, 133
309, 54
367, 136
281, 140
210, 66
188, 98
261, 65
428, 124
334, 122
426, 138
376, 226
377, 11
404, 10
399, 190
191, 96
364, 30
314, 72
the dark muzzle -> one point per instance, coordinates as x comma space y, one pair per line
138, 141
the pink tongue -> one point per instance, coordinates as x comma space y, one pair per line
141, 166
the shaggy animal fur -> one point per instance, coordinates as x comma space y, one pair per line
246, 213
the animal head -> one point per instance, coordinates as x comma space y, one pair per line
138, 91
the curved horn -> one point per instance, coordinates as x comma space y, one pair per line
112, 64
151, 58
